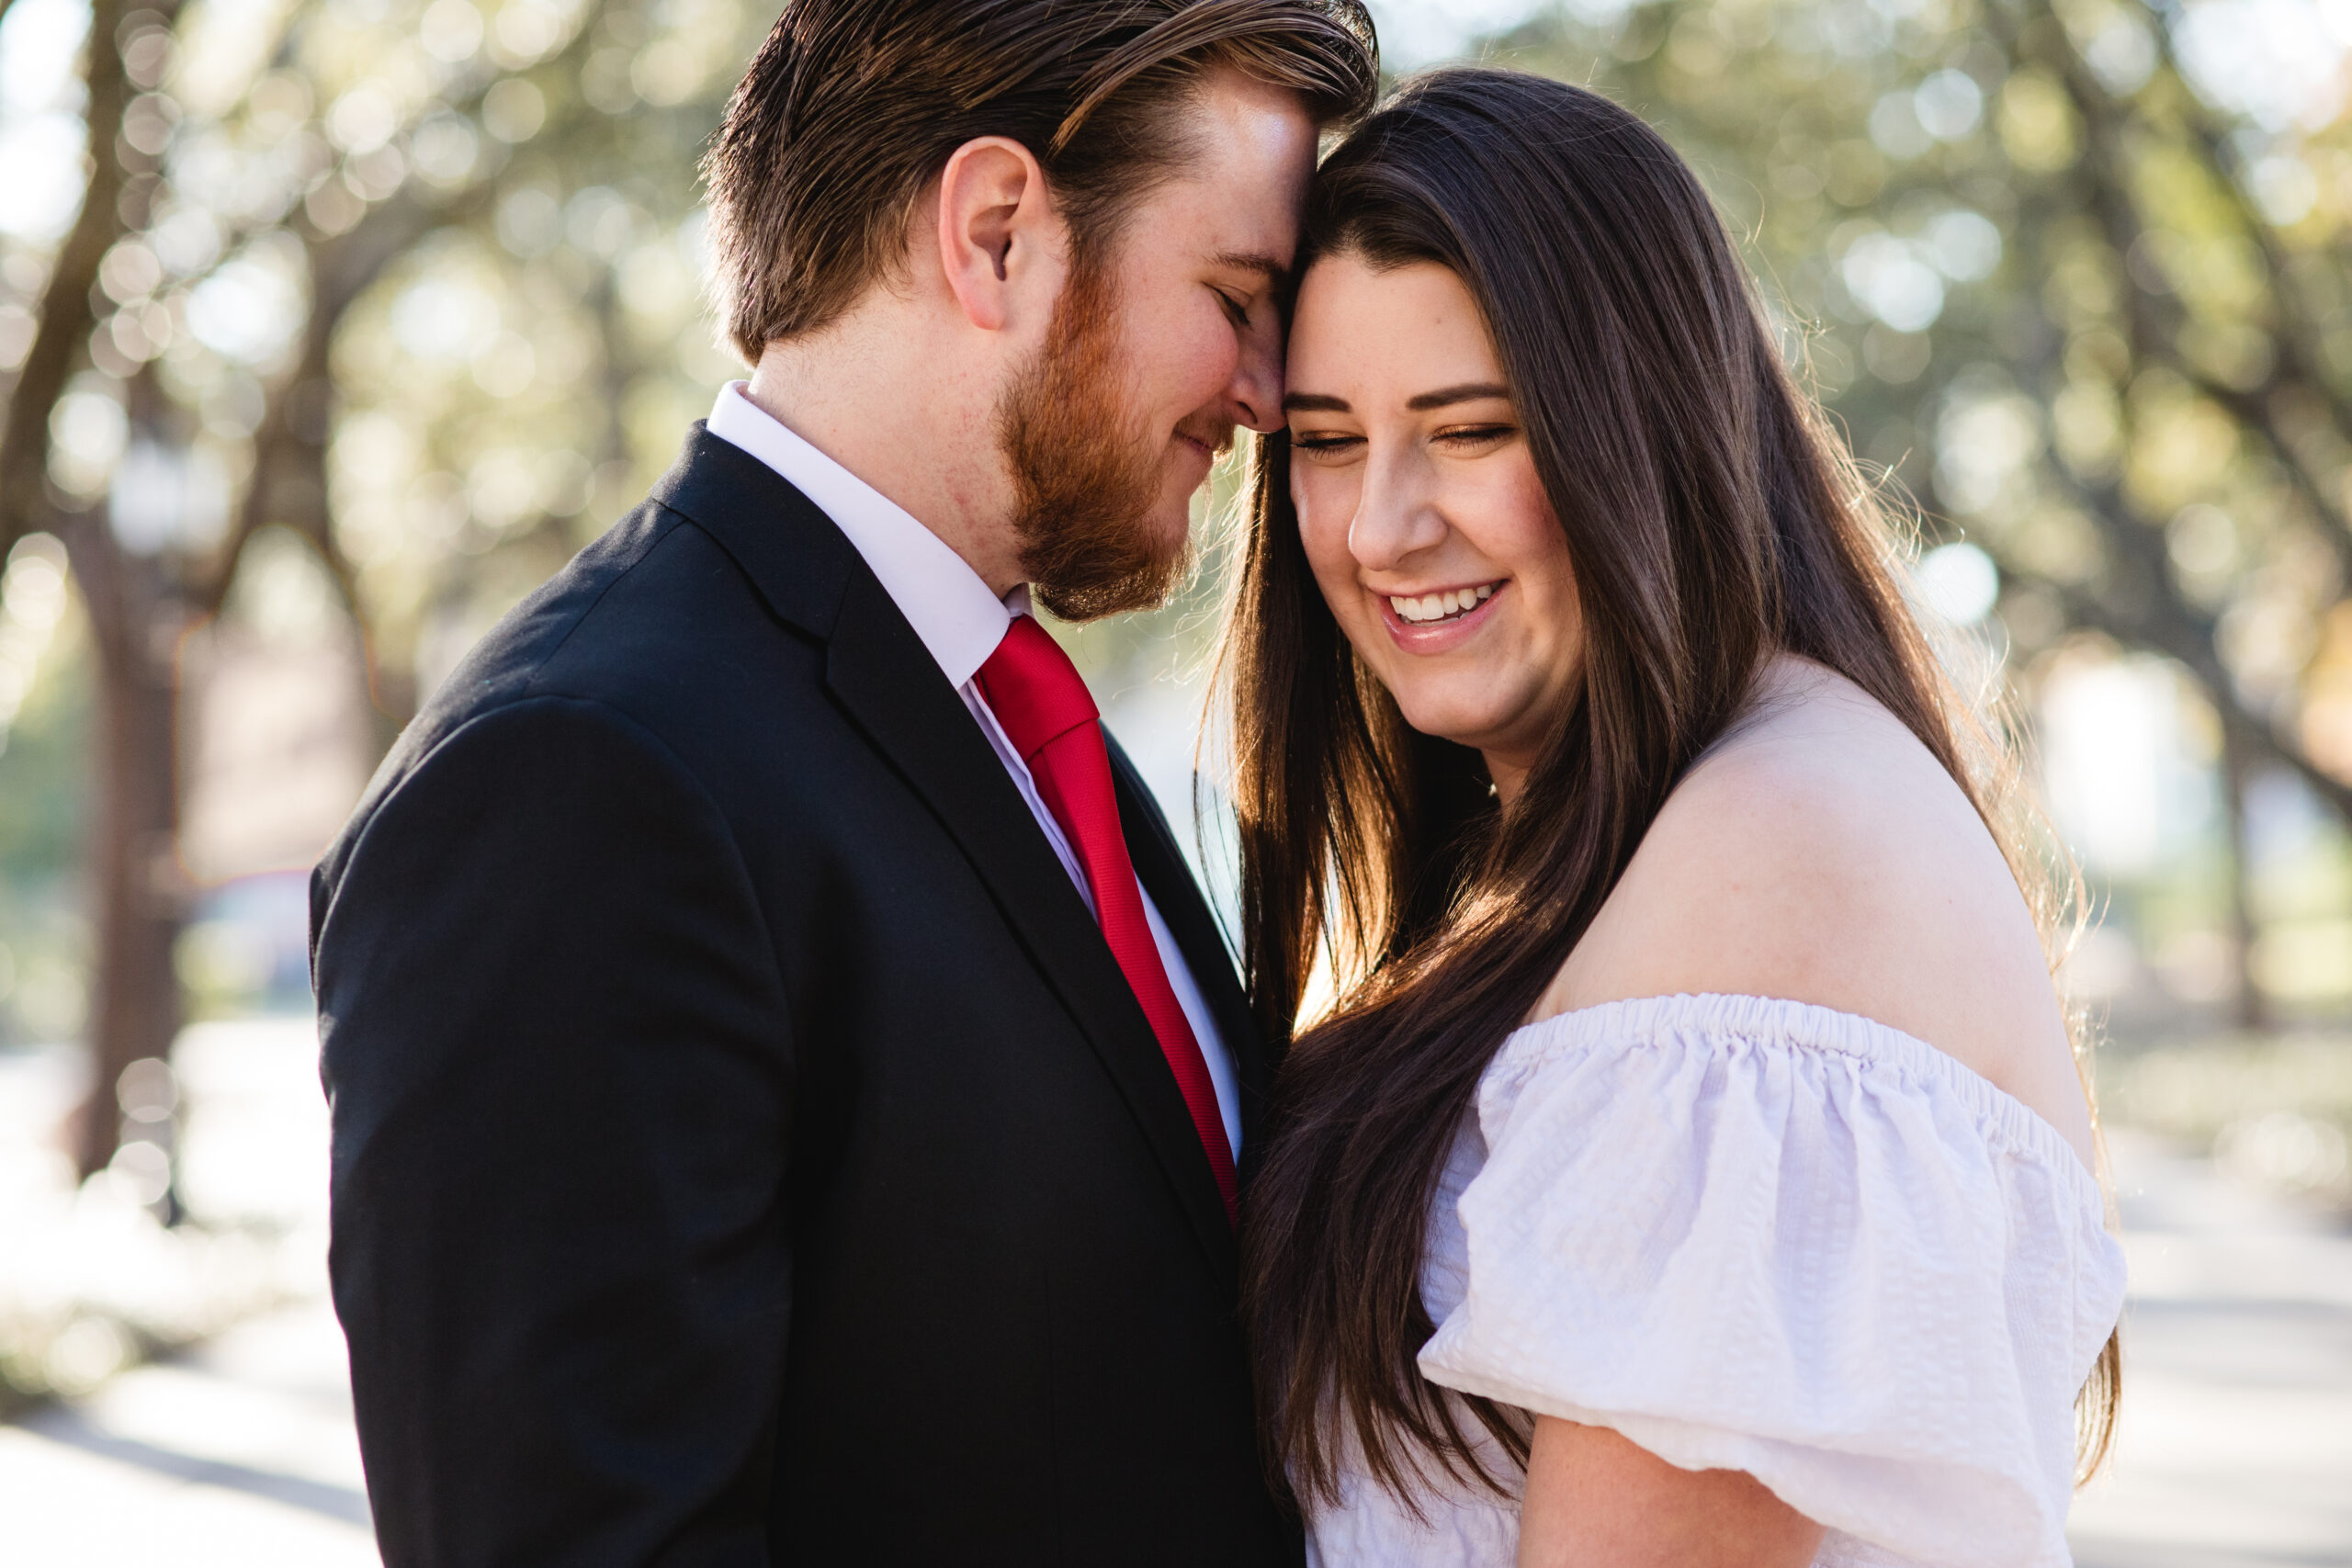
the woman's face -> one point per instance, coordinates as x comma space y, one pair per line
1418, 500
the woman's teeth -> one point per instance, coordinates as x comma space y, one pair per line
1439, 606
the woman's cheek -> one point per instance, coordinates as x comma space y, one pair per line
1324, 539
1522, 535
1334, 570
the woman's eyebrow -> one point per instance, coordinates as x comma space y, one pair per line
1314, 402
1469, 392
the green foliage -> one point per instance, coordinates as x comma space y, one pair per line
44, 826
518, 378
44, 775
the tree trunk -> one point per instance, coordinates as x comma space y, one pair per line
138, 893
2239, 758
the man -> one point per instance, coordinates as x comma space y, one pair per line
786, 1087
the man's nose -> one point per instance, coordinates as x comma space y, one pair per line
1255, 393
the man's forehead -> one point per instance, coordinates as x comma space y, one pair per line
1221, 228
1252, 154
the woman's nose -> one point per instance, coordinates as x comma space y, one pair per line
1396, 515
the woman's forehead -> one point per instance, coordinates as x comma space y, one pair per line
1364, 332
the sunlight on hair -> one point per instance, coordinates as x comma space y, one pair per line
1958, 582
1320, 996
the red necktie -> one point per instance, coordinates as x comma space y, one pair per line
1049, 716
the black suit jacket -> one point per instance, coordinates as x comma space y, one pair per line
746, 1149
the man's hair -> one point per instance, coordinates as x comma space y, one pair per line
853, 108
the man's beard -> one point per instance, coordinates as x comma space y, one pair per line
1087, 476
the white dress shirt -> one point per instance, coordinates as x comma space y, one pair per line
961, 623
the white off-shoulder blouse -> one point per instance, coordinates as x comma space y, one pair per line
1757, 1235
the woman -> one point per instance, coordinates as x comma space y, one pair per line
1698, 1170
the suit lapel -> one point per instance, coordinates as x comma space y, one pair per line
882, 674
1160, 865
886, 680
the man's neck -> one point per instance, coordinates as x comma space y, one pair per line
874, 393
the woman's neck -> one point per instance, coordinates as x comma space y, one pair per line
1509, 777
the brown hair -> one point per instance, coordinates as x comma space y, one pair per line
853, 107
1713, 520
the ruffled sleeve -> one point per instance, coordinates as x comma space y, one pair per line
1757, 1235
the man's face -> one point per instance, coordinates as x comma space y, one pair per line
1160, 347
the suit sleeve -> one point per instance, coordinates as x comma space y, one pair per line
556, 1044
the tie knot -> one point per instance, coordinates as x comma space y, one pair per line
1034, 689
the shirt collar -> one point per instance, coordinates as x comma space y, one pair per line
941, 596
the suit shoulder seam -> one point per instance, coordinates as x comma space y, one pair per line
673, 520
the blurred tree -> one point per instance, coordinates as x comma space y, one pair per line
133, 1008
225, 338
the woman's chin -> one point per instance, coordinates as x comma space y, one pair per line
1467, 724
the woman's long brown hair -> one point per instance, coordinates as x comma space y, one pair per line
1714, 521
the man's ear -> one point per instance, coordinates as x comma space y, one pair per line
999, 240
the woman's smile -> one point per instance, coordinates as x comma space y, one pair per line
1437, 620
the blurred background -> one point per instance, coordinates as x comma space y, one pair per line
328, 328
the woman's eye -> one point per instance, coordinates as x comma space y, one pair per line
1477, 434
1325, 444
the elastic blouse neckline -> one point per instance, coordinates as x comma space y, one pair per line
1808, 1025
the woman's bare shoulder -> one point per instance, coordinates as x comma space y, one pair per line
1822, 854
